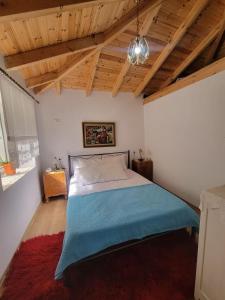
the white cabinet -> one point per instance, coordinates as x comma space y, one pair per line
210, 275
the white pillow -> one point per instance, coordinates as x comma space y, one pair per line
112, 170
88, 175
83, 163
102, 172
121, 158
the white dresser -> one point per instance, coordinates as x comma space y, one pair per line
210, 276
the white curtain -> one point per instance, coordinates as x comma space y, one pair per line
20, 123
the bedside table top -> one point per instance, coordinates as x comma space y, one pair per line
54, 172
142, 161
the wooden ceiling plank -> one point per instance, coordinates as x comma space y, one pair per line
41, 79
25, 59
211, 52
194, 54
143, 31
93, 68
58, 88
12, 10
121, 25
179, 33
39, 88
115, 30
212, 69
66, 69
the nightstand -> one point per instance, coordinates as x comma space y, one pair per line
55, 184
143, 167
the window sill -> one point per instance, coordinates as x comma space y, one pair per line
8, 181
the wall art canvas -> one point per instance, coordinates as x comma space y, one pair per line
98, 134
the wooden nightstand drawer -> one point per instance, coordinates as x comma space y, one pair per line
54, 184
144, 168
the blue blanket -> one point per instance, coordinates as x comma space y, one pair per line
99, 220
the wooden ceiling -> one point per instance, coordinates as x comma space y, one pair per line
82, 44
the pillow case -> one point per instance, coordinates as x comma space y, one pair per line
121, 158
88, 175
84, 162
111, 170
80, 162
103, 171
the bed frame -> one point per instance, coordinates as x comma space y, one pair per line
67, 274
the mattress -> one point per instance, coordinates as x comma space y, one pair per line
134, 179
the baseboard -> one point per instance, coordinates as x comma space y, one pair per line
31, 221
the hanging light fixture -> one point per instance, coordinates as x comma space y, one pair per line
138, 50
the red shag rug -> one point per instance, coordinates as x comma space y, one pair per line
160, 269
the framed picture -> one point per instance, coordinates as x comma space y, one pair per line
98, 134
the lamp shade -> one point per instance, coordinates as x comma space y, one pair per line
138, 51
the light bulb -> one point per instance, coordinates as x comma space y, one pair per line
137, 50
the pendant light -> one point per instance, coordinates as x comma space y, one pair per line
138, 51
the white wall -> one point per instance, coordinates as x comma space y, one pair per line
185, 133
60, 122
17, 206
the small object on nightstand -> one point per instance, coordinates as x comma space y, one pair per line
143, 167
141, 153
54, 184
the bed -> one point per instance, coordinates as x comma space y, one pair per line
104, 215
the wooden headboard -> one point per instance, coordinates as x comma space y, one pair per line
72, 158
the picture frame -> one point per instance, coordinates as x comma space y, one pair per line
99, 134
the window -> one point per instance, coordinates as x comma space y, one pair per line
3, 146
18, 134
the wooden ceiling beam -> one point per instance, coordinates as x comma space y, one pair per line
115, 30
126, 66
211, 52
41, 82
93, 68
12, 10
58, 87
41, 79
203, 73
65, 70
39, 88
179, 33
123, 24
194, 54
39, 55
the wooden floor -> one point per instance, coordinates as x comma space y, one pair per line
50, 218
